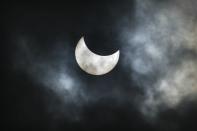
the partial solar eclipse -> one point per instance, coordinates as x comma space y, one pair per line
92, 63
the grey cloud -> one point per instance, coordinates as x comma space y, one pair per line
156, 53
52, 72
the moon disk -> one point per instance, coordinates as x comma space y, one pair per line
92, 63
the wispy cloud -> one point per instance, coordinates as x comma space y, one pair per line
161, 52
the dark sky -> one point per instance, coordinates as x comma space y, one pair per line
152, 88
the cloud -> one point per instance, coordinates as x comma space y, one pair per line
161, 52
51, 71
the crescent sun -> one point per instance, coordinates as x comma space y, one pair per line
92, 63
